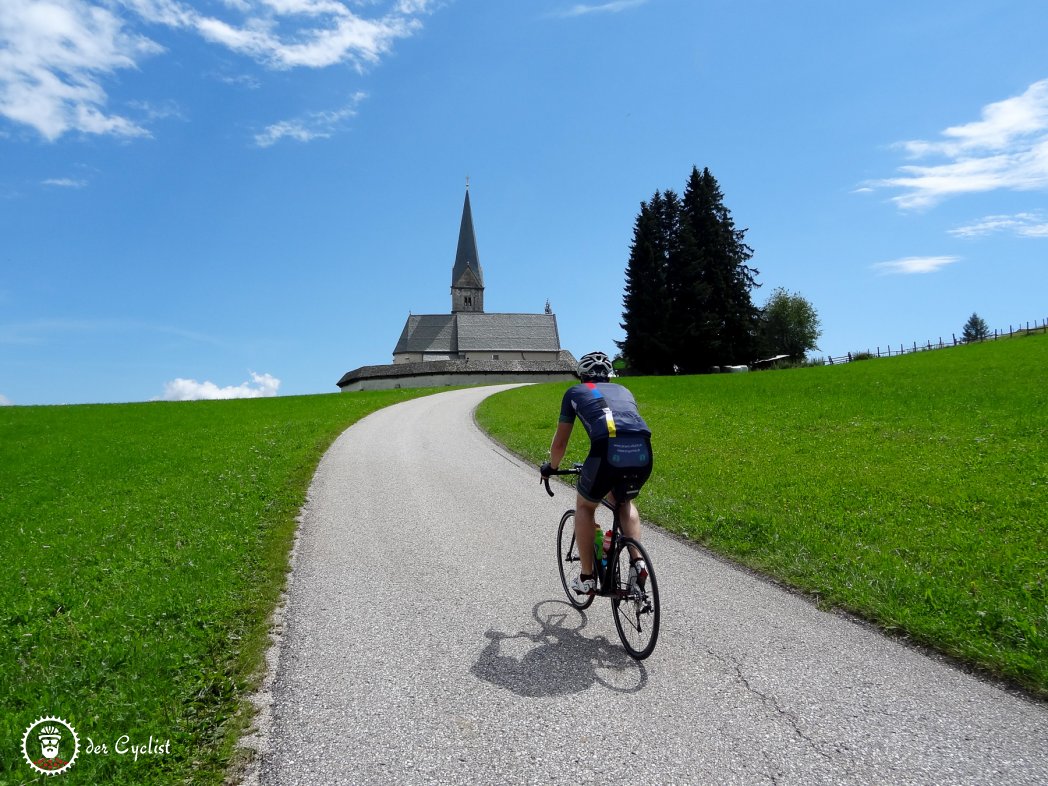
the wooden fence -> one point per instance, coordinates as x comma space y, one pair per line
889, 351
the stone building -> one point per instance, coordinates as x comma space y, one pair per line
469, 346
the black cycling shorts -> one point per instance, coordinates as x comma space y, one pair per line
624, 460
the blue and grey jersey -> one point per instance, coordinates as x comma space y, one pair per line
605, 409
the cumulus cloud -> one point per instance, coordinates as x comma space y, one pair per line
1006, 149
913, 265
55, 55
315, 125
1021, 224
260, 386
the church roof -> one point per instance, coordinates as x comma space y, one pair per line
427, 333
508, 332
466, 255
469, 332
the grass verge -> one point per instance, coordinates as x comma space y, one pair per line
144, 546
912, 491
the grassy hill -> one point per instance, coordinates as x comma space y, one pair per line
144, 546
912, 491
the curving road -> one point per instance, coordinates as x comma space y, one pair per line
427, 641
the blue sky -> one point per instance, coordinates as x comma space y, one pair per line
248, 197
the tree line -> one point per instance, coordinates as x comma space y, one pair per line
687, 305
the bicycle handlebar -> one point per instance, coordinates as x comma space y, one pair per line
576, 469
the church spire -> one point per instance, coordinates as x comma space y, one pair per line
467, 277
467, 256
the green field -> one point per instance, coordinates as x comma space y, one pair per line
912, 491
144, 546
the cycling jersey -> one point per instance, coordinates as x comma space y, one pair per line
605, 409
620, 444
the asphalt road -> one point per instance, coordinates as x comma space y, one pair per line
427, 641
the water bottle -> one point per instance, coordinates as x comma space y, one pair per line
598, 544
606, 547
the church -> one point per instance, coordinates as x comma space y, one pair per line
469, 346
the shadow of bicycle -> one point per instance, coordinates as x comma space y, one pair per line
557, 659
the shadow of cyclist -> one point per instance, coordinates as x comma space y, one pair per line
557, 660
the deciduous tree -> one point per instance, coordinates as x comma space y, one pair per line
789, 325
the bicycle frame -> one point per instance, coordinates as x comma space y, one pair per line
605, 577
634, 596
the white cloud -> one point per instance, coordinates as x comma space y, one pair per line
65, 182
614, 7
1006, 149
316, 125
55, 55
180, 389
5, 401
913, 265
1022, 224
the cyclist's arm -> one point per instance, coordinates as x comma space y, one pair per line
560, 443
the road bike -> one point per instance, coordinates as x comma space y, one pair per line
624, 573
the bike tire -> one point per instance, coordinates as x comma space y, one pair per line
636, 609
568, 560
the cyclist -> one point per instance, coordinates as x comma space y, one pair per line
620, 447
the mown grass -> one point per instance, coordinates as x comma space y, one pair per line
143, 548
912, 491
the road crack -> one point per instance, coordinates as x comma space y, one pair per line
735, 667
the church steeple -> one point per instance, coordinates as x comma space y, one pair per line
467, 277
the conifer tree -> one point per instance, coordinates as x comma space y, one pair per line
687, 305
975, 329
645, 348
715, 319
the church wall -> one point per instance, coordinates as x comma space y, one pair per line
489, 354
421, 357
448, 380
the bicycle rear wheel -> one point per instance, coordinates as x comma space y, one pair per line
635, 600
568, 560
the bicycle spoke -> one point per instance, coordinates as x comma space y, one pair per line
635, 602
568, 560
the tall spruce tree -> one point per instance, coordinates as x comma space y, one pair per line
687, 305
715, 320
646, 347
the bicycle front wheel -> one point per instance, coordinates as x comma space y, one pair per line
635, 599
568, 560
